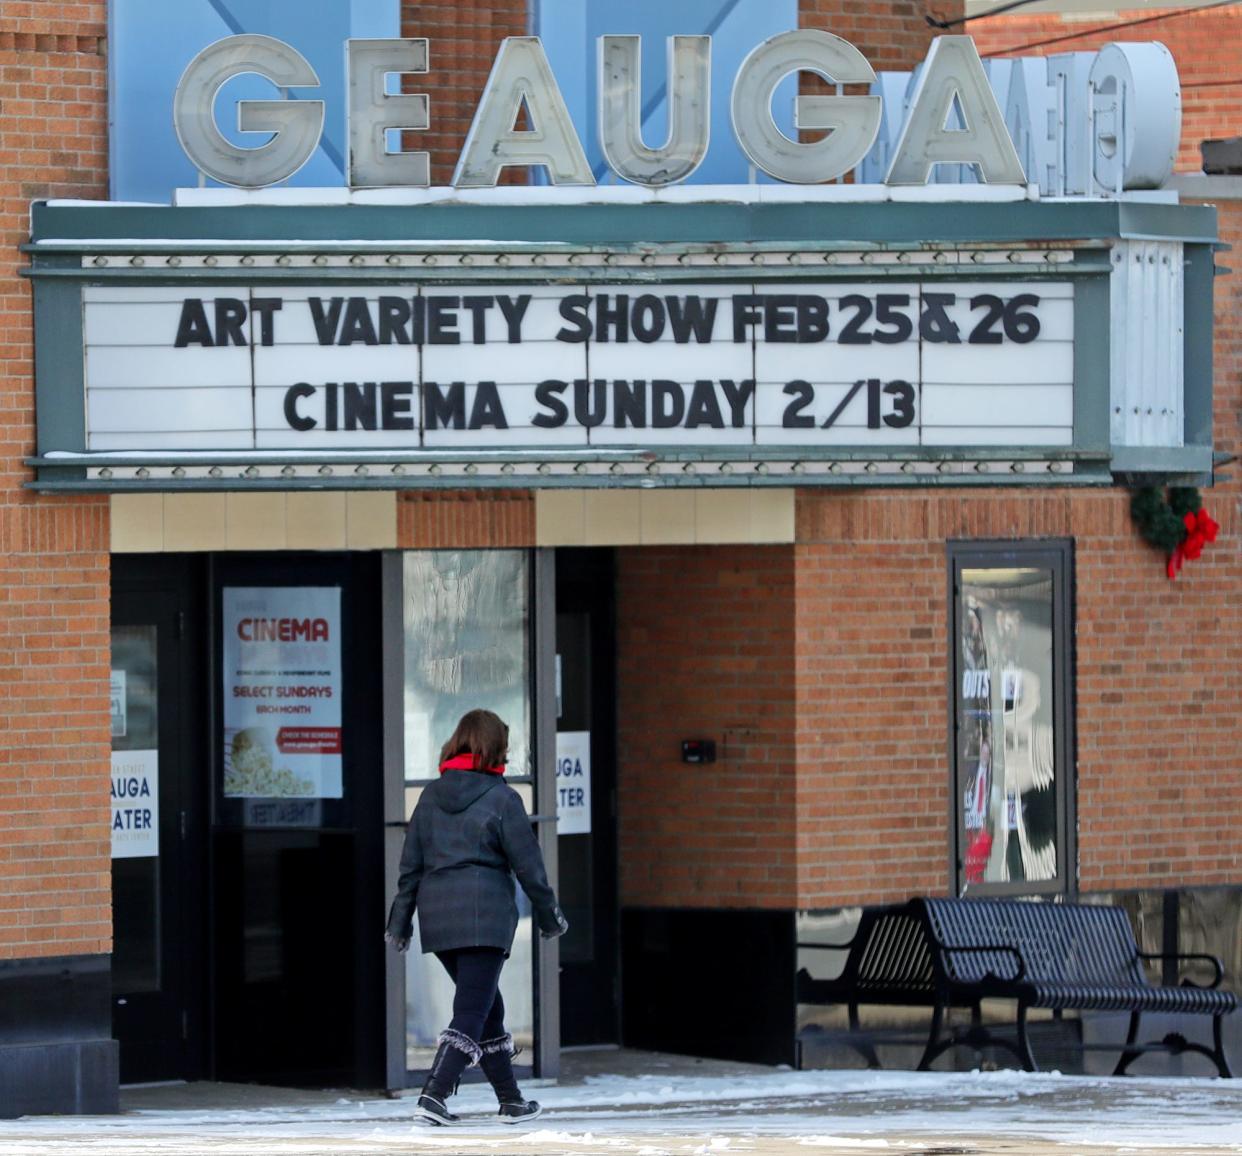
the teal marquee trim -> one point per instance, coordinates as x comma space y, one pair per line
83, 243
884, 225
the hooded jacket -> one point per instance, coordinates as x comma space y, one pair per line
469, 835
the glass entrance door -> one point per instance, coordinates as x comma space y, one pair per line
460, 633
296, 799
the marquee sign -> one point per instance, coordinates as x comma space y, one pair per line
339, 367
614, 344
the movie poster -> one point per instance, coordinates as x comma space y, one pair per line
282, 692
1006, 767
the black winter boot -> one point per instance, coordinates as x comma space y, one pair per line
497, 1065
456, 1053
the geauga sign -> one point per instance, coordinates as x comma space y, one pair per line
1077, 123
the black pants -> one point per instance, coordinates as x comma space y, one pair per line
478, 1009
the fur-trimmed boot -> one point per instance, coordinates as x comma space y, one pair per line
497, 1065
456, 1053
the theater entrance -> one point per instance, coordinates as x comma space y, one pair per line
246, 729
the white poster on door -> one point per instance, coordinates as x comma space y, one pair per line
573, 782
282, 692
118, 706
135, 804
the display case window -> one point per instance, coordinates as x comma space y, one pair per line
1011, 724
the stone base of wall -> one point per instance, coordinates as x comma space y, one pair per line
709, 982
78, 1078
56, 1054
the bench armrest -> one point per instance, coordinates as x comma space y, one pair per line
1004, 948
1161, 957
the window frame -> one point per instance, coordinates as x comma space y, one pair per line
1057, 556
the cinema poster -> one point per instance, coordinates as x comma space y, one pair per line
282, 692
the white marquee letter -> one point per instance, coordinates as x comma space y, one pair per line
372, 112
689, 109
853, 120
953, 73
297, 124
1137, 100
1027, 106
521, 75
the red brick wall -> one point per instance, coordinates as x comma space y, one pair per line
892, 35
55, 881
1204, 45
54, 638
870, 631
465, 519
464, 37
1158, 798
704, 650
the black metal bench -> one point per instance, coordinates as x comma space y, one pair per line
947, 953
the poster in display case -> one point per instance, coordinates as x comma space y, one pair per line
1007, 770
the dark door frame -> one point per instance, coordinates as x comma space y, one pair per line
586, 583
175, 584
360, 813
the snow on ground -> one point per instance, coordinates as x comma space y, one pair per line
772, 1111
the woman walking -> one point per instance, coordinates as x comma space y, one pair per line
469, 835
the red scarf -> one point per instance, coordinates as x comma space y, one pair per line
468, 763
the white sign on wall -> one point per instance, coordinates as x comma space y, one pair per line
282, 692
573, 782
840, 364
135, 804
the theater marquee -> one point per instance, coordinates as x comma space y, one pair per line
611, 343
527, 366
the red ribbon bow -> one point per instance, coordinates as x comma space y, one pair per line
1201, 528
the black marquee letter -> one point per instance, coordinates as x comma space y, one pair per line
193, 328
292, 396
546, 395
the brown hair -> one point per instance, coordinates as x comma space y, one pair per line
482, 734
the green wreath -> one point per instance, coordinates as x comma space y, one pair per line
1162, 522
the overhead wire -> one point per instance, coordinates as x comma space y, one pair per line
1081, 33
978, 15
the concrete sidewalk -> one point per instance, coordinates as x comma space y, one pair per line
646, 1104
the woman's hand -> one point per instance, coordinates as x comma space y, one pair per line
562, 925
400, 943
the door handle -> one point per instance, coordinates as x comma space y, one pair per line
402, 823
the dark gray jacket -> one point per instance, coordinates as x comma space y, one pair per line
468, 832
